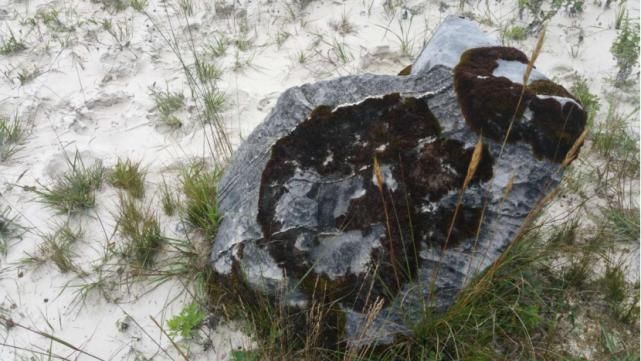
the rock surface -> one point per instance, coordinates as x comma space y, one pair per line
350, 185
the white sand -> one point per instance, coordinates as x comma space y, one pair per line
93, 96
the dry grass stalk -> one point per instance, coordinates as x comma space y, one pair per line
535, 55
180, 351
574, 151
358, 352
471, 170
379, 183
485, 281
526, 77
507, 190
474, 162
315, 317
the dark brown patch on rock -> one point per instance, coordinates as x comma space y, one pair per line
339, 147
489, 104
548, 87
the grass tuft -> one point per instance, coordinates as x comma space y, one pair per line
199, 186
626, 49
140, 228
9, 228
219, 46
167, 103
515, 33
117, 5
11, 45
590, 101
57, 247
343, 25
613, 141
129, 176
139, 5
12, 134
168, 199
75, 189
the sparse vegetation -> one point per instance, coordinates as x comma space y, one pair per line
403, 36
9, 229
626, 49
613, 141
187, 321
113, 5
508, 312
515, 33
139, 5
75, 189
26, 75
167, 103
139, 227
207, 71
129, 176
343, 25
281, 37
219, 46
12, 133
590, 101
11, 45
50, 17
168, 199
57, 247
199, 187
187, 7
301, 57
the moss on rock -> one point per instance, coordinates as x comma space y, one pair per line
491, 103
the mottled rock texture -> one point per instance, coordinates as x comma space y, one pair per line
347, 191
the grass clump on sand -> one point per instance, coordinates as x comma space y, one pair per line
590, 101
139, 5
199, 187
614, 143
75, 189
140, 228
57, 247
11, 45
515, 33
129, 176
167, 103
626, 49
168, 199
116, 5
12, 133
9, 228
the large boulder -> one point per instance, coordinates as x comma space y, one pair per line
360, 188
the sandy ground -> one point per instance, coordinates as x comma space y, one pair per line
92, 94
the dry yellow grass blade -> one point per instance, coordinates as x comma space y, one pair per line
535, 55
356, 352
574, 151
474, 162
526, 77
378, 174
507, 190
379, 184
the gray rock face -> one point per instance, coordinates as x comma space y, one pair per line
351, 185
